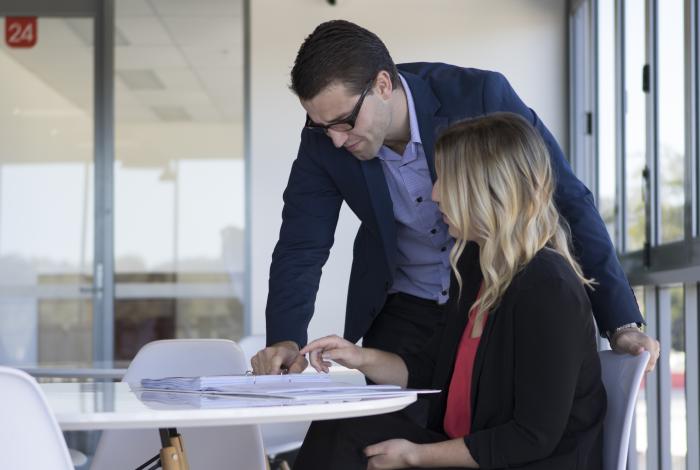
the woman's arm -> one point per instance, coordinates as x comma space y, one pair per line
379, 366
452, 453
400, 453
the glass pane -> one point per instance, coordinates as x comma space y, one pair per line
635, 123
640, 415
607, 170
46, 194
179, 173
679, 445
671, 89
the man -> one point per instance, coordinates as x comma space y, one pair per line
368, 141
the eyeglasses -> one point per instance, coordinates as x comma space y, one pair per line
341, 125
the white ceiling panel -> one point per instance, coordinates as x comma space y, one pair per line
207, 57
144, 57
128, 108
63, 33
230, 107
179, 79
172, 113
191, 8
221, 80
166, 98
135, 79
144, 31
217, 32
196, 52
135, 113
133, 8
204, 113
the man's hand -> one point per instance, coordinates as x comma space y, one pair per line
333, 347
279, 357
394, 453
633, 341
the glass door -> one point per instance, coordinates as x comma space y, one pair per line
47, 186
122, 157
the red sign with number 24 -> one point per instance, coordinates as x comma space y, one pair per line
20, 31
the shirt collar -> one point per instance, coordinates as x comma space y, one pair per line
384, 152
412, 118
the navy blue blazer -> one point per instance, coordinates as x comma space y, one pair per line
323, 177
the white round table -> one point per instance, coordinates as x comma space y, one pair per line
96, 406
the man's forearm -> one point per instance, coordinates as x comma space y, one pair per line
384, 367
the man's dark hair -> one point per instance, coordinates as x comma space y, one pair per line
343, 52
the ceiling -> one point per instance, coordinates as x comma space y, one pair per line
175, 60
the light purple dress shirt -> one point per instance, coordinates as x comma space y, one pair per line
423, 261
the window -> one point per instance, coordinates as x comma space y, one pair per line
671, 115
635, 123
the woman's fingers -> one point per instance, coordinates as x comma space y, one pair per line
330, 348
327, 342
375, 449
315, 359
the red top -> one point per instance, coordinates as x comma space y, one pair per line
458, 415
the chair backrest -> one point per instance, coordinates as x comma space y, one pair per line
622, 377
186, 358
251, 345
29, 435
209, 448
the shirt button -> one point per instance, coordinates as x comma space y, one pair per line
443, 248
433, 231
444, 292
419, 199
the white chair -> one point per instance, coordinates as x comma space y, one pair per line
227, 447
277, 438
622, 376
29, 436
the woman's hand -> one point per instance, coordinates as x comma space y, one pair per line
335, 348
394, 453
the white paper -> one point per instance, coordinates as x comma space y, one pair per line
279, 389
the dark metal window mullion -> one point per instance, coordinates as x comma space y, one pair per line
620, 146
248, 300
652, 170
692, 311
663, 321
692, 376
691, 120
651, 303
594, 114
103, 316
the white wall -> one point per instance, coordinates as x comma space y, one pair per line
525, 40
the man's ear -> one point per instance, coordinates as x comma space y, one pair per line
382, 85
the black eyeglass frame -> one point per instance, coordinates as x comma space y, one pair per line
345, 124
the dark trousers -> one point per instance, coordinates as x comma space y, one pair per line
339, 444
405, 324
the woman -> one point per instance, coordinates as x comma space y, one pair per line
517, 361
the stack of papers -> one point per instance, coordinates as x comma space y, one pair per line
266, 390
222, 383
161, 399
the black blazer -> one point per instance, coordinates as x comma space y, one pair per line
538, 401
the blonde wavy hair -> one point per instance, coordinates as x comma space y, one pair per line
496, 187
